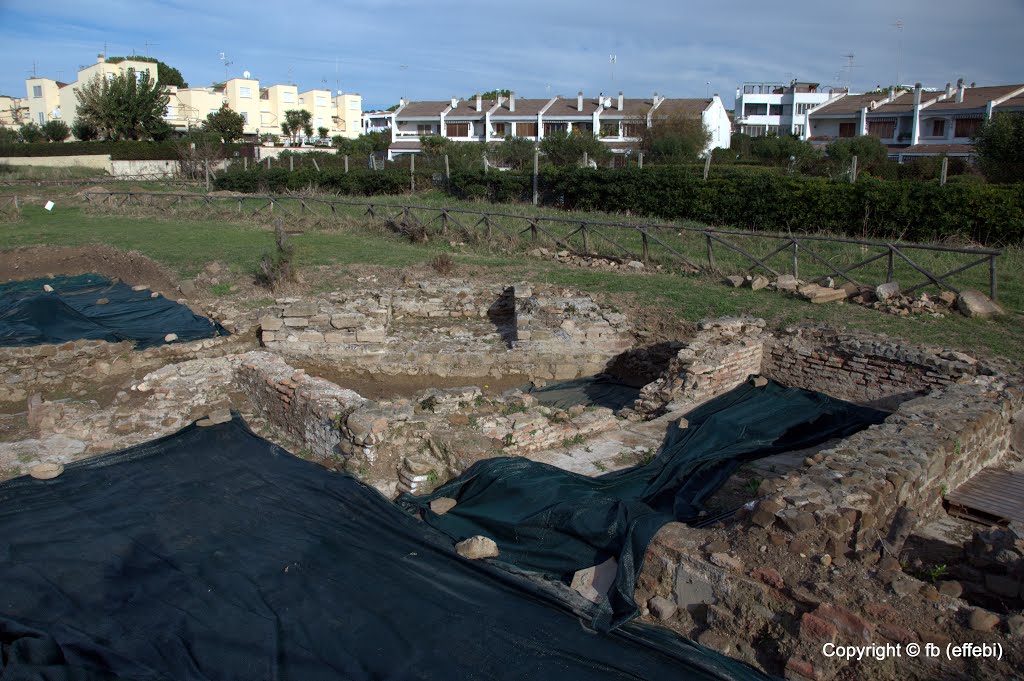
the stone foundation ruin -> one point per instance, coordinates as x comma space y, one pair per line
775, 569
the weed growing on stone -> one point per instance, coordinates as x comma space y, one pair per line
513, 409
428, 404
599, 465
220, 289
443, 264
576, 439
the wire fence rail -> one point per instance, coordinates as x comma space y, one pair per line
682, 248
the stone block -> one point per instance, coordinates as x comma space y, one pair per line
972, 303
301, 309
296, 322
887, 291
371, 335
349, 320
692, 589
271, 323
340, 337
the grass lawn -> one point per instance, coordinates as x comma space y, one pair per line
195, 236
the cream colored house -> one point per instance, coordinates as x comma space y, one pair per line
274, 101
43, 99
188, 107
347, 115
13, 112
318, 104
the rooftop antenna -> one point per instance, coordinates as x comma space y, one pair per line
34, 69
404, 68
850, 66
899, 49
149, 45
337, 77
611, 60
227, 63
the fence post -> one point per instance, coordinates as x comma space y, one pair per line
945, 169
536, 168
992, 277
373, 162
444, 221
412, 172
586, 237
484, 156
796, 260
640, 160
207, 164
245, 163
586, 161
711, 251
853, 169
533, 229
346, 164
645, 249
291, 164
268, 163
447, 170
707, 167
889, 271
315, 164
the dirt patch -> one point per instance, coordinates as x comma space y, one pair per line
129, 266
384, 387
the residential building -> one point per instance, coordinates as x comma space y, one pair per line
618, 121
261, 109
917, 123
845, 115
377, 121
777, 109
43, 95
13, 112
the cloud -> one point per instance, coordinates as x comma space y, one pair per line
532, 46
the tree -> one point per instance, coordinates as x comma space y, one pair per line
165, 74
227, 124
84, 130
323, 132
567, 149
514, 152
872, 155
781, 150
126, 106
30, 132
296, 120
56, 130
1000, 147
8, 136
492, 94
364, 144
675, 139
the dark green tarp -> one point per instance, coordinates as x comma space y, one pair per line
31, 316
555, 522
214, 555
598, 391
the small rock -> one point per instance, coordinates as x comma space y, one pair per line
102, 301
758, 283
139, 287
1015, 625
187, 286
888, 290
786, 282
982, 620
825, 560
635, 265
477, 547
726, 561
154, 294
170, 338
951, 588
662, 608
47, 288
46, 471
759, 381
735, 280
219, 416
976, 304
442, 505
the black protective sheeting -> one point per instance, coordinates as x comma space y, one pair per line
31, 316
599, 391
212, 554
555, 522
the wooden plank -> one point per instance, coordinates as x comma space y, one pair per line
993, 492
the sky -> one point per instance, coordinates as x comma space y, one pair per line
386, 49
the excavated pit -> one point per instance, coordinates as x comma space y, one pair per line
408, 387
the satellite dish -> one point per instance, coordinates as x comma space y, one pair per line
247, 75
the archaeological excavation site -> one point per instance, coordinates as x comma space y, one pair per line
412, 460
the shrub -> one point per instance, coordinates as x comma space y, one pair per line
274, 270
30, 132
84, 130
443, 264
56, 130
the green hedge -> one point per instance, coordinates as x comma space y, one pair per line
118, 151
870, 208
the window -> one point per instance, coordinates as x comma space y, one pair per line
755, 109
775, 110
42, 118
798, 130
245, 117
169, 113
633, 129
847, 129
609, 130
424, 129
37, 90
939, 127
526, 129
772, 130
551, 128
587, 128
500, 129
966, 127
353, 105
882, 129
458, 129
288, 97
753, 130
804, 108
244, 91
321, 100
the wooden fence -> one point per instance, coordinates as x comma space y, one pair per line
683, 248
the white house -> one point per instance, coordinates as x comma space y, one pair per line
777, 109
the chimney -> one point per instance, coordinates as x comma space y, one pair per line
949, 89
620, 101
959, 90
511, 101
917, 95
892, 92
479, 103
455, 102
100, 58
579, 100
401, 101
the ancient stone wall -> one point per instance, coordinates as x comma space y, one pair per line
860, 367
